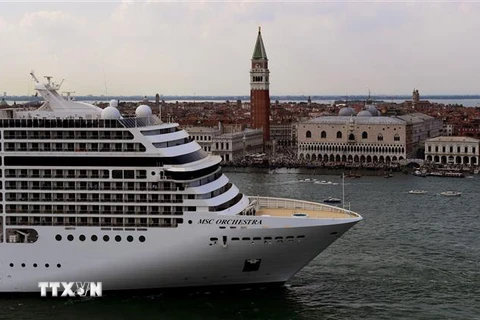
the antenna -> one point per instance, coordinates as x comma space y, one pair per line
105, 81
32, 73
68, 94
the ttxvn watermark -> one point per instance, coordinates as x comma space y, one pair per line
71, 289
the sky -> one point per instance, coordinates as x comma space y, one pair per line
205, 47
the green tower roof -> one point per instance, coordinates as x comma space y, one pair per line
259, 51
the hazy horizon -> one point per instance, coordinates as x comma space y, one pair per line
204, 48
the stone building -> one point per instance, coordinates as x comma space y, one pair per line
230, 146
235, 146
420, 127
452, 150
364, 139
284, 134
204, 135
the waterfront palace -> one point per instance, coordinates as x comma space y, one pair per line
365, 138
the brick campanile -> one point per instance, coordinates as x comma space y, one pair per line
259, 89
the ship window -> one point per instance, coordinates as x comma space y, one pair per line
117, 174
246, 238
118, 238
129, 238
23, 265
34, 265
82, 237
235, 239
128, 174
59, 265
141, 238
47, 265
11, 265
70, 237
106, 238
58, 237
94, 238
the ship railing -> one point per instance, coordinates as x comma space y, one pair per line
282, 203
140, 122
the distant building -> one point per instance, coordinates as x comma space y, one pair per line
415, 97
452, 150
204, 136
366, 137
230, 145
352, 139
420, 127
448, 129
260, 89
284, 134
234, 146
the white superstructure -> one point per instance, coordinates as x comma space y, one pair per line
88, 195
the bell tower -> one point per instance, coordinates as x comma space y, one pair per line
259, 89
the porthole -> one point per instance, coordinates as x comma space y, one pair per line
118, 238
59, 265
82, 237
94, 238
141, 238
47, 265
129, 238
34, 265
106, 238
153, 173
58, 237
70, 237
23, 265
11, 265
189, 221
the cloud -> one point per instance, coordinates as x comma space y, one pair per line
205, 47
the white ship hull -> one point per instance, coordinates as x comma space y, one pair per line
169, 258
88, 195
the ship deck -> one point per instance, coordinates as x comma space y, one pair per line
278, 212
288, 207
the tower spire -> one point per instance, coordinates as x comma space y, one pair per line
259, 52
259, 89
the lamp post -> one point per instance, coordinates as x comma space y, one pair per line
244, 139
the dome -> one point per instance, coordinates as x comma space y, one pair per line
111, 113
346, 111
113, 103
143, 111
364, 113
374, 111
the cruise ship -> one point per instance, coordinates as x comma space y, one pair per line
135, 203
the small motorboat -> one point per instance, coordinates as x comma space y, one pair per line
326, 183
419, 173
332, 200
417, 191
451, 194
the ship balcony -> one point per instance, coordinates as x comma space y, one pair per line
279, 207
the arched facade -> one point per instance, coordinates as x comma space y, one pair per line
453, 151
